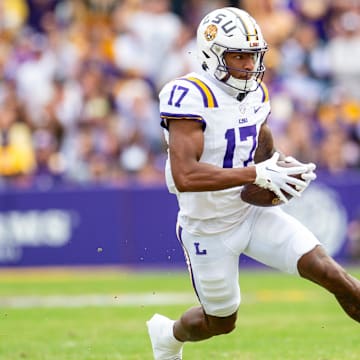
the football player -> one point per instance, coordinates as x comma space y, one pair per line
218, 140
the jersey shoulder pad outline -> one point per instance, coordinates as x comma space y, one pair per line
264, 92
207, 95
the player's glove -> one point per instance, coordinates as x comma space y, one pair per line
307, 176
271, 176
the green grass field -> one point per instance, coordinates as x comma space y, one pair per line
92, 314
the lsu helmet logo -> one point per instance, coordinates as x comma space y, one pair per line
211, 32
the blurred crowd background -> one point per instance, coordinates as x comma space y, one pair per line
79, 83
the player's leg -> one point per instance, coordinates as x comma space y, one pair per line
288, 246
168, 336
213, 266
320, 268
196, 325
279, 240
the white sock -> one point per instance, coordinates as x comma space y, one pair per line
175, 343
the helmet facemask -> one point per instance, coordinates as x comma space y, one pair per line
251, 79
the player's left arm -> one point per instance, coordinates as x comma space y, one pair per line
266, 149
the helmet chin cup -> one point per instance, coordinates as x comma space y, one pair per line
242, 85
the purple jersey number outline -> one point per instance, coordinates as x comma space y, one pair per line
244, 133
176, 89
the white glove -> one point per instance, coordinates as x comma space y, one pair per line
276, 178
309, 175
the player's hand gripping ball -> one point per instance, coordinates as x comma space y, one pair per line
258, 196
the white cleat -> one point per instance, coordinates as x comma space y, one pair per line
164, 344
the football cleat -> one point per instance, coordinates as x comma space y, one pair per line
164, 344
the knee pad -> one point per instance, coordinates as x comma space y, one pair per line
218, 295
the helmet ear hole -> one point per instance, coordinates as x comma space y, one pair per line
205, 66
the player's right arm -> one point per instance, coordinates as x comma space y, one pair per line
186, 141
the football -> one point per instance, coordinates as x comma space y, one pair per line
258, 196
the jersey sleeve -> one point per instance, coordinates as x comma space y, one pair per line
185, 99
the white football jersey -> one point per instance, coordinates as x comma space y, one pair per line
231, 129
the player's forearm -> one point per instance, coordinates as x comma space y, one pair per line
206, 177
